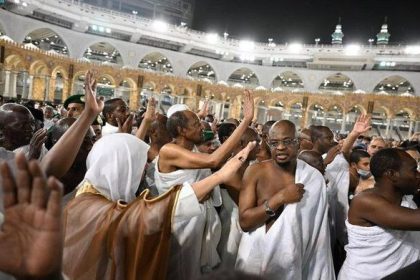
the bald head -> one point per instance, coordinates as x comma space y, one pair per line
314, 159
282, 126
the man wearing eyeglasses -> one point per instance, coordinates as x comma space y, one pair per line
283, 210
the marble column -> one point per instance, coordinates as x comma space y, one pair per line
343, 123
6, 92
13, 84
31, 87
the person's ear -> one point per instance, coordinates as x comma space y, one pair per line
353, 165
392, 174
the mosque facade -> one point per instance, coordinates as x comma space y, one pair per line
47, 45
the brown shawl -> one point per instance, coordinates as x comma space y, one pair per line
110, 240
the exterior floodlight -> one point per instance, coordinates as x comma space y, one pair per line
295, 47
160, 26
108, 30
94, 27
352, 49
101, 29
412, 50
246, 45
212, 38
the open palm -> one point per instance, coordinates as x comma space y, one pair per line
31, 237
92, 102
362, 124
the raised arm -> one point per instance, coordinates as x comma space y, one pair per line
60, 158
203, 187
149, 116
379, 211
178, 157
361, 126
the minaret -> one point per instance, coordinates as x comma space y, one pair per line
382, 38
337, 36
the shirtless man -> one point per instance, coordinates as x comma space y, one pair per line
279, 220
381, 220
261, 190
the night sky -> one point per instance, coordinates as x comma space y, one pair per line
303, 21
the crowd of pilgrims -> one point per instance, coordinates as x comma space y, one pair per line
90, 190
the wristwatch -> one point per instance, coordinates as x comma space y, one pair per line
270, 212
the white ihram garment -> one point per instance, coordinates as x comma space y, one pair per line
195, 240
297, 246
375, 252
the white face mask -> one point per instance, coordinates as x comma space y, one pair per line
363, 173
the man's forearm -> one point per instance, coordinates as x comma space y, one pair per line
223, 151
60, 158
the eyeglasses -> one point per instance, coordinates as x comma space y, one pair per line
287, 143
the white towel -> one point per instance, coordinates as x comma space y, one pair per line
375, 252
297, 246
338, 175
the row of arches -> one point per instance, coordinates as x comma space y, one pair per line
105, 53
38, 81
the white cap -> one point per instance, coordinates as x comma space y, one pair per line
176, 108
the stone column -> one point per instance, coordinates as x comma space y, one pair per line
24, 85
13, 84
410, 129
388, 124
31, 87
6, 92
343, 123
47, 87
304, 119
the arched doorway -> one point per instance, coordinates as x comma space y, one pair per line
202, 70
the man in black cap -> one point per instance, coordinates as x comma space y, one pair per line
74, 105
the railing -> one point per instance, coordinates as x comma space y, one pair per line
194, 36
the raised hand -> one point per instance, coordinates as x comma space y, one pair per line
93, 104
229, 169
35, 145
204, 111
31, 235
127, 126
362, 124
150, 113
248, 106
291, 193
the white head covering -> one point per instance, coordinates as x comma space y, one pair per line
115, 165
176, 108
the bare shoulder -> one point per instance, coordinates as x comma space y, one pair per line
169, 149
366, 200
259, 167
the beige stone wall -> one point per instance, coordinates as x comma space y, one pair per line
40, 65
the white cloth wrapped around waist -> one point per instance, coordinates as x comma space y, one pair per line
375, 252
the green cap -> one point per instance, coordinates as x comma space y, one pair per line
208, 135
77, 98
